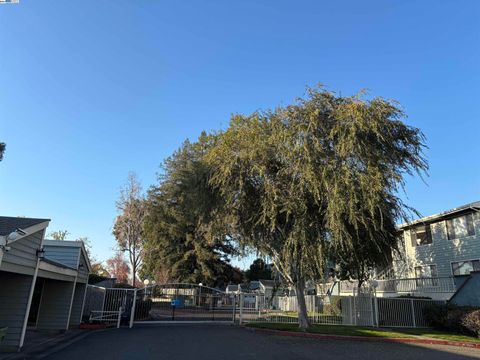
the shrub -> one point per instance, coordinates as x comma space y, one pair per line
335, 306
450, 317
472, 322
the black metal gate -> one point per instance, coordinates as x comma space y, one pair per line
183, 302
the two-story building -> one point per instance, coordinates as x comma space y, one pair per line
439, 256
442, 245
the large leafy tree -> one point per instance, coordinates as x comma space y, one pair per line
315, 180
258, 270
182, 227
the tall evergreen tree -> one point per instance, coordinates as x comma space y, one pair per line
258, 270
182, 227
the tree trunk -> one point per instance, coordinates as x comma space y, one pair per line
134, 270
359, 287
303, 321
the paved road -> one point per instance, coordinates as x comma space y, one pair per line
214, 342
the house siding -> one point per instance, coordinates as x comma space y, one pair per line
469, 293
14, 293
55, 305
63, 254
77, 305
82, 270
22, 257
442, 251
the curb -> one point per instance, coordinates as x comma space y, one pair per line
95, 326
366, 338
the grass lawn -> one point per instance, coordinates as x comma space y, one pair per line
367, 331
443, 335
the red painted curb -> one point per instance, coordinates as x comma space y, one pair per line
94, 326
365, 338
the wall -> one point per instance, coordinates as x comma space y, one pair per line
82, 269
443, 251
78, 298
67, 255
55, 305
22, 258
14, 293
469, 293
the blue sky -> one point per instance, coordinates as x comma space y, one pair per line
90, 90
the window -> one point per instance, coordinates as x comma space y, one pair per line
426, 271
465, 267
460, 227
421, 235
426, 275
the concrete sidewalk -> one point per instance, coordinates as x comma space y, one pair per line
37, 345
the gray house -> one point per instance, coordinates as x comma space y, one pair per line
442, 245
42, 282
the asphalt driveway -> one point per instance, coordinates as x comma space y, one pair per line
233, 343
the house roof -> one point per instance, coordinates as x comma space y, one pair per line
269, 283
475, 206
9, 224
254, 285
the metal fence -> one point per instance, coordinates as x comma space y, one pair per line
403, 312
360, 310
107, 305
183, 302
193, 303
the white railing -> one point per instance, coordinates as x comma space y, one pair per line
404, 286
106, 316
361, 310
107, 304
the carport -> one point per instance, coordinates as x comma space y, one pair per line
42, 282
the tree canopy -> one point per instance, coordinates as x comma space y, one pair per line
182, 227
59, 235
315, 180
258, 270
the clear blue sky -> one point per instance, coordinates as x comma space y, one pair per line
90, 90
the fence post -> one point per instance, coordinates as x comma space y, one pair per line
241, 310
376, 312
103, 301
372, 311
350, 306
355, 310
132, 311
119, 316
413, 314
234, 309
